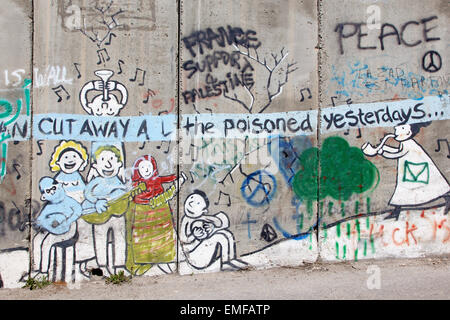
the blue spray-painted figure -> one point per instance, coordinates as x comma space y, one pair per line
56, 223
60, 211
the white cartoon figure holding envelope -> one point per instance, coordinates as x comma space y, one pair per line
419, 180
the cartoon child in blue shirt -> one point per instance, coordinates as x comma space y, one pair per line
107, 186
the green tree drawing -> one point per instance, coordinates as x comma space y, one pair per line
343, 171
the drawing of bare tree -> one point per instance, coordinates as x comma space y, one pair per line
278, 72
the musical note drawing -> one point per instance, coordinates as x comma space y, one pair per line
150, 93
192, 177
309, 93
163, 112
78, 71
332, 101
58, 89
109, 40
39, 143
348, 131
230, 175
439, 146
101, 57
143, 145
225, 194
15, 165
348, 101
136, 76
359, 133
168, 146
193, 151
120, 67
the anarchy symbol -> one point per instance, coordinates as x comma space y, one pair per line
431, 61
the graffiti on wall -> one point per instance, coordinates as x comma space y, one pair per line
11, 121
419, 181
250, 181
238, 85
206, 238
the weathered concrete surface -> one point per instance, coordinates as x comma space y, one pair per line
233, 72
364, 63
337, 281
15, 164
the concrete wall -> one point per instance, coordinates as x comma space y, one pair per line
220, 135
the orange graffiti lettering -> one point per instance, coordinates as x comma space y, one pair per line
393, 237
447, 229
408, 231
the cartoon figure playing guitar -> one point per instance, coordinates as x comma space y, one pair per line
106, 201
56, 222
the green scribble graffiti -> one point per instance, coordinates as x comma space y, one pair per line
6, 110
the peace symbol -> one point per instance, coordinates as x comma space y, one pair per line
268, 233
258, 188
431, 61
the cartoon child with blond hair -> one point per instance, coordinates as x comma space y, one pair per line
68, 159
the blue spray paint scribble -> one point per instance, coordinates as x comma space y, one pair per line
357, 79
286, 154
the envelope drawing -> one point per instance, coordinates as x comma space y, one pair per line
416, 172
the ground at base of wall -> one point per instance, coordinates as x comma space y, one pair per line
367, 279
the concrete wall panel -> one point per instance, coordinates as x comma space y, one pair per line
15, 168
384, 70
245, 68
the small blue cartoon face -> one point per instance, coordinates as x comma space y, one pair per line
51, 190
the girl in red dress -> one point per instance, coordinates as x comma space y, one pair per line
150, 228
